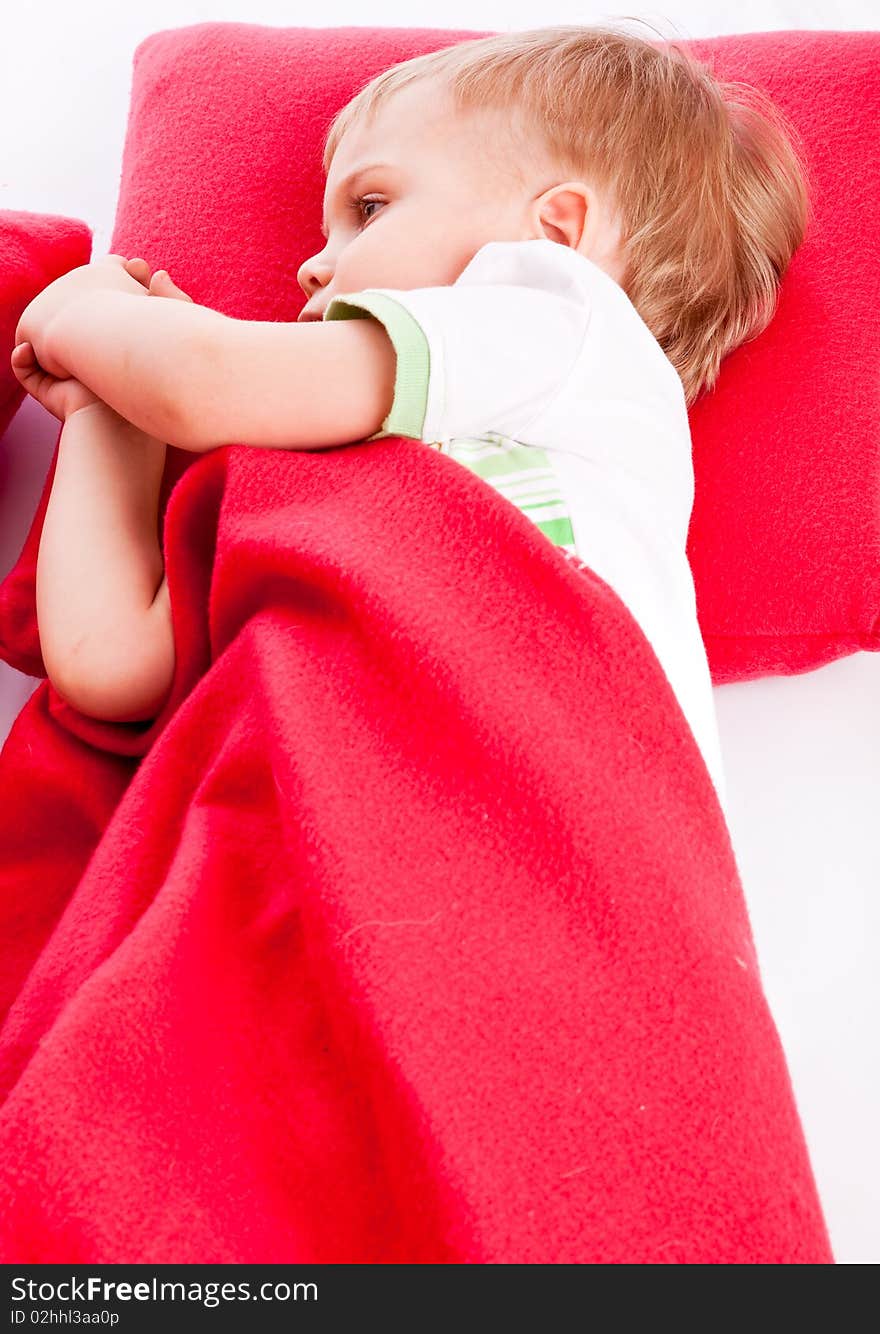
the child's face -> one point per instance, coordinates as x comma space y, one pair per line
437, 189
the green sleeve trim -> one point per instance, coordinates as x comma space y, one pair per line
410, 405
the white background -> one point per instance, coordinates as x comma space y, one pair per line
802, 753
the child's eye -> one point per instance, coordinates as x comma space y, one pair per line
362, 202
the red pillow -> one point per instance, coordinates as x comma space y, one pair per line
222, 185
35, 249
785, 534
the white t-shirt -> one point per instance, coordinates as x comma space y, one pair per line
535, 370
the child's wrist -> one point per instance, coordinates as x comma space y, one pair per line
97, 410
100, 413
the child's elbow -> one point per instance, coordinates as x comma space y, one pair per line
129, 684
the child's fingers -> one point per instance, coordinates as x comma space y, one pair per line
25, 365
23, 360
138, 269
162, 285
59, 395
28, 370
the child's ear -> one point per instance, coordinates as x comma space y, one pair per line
575, 215
562, 213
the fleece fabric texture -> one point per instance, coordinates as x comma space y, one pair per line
222, 184
410, 930
35, 249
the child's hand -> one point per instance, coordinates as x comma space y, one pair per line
60, 395
107, 274
158, 283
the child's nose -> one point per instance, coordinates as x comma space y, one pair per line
313, 275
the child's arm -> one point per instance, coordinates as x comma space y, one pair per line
102, 601
198, 379
103, 611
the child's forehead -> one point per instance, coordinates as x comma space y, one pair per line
422, 125
420, 113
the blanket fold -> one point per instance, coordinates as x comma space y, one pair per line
410, 930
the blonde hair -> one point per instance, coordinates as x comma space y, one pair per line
703, 175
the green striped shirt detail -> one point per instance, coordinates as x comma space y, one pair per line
522, 474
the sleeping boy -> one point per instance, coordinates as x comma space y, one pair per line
538, 248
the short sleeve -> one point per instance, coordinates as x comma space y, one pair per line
483, 355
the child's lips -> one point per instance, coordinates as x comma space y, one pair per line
305, 315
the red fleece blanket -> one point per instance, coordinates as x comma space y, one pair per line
410, 930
